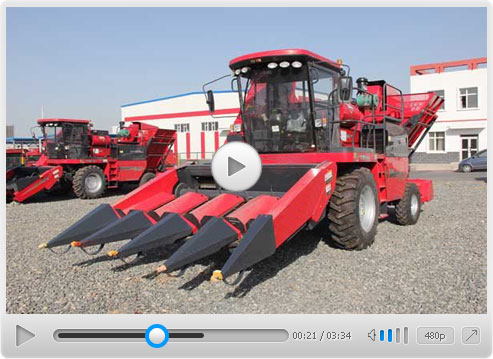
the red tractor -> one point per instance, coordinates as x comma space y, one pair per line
328, 151
75, 156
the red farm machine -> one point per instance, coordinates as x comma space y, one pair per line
75, 156
328, 151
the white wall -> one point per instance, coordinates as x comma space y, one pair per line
191, 109
453, 120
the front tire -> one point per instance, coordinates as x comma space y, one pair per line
354, 210
466, 168
407, 210
89, 182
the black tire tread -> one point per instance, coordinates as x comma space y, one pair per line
344, 226
146, 177
402, 208
78, 182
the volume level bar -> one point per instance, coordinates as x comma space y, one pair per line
175, 335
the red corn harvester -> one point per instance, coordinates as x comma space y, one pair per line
75, 156
327, 151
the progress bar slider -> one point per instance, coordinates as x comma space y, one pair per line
175, 335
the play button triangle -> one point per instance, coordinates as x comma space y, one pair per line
234, 166
22, 335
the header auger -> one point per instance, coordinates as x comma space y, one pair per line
328, 151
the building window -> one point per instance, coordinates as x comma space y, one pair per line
182, 127
468, 98
209, 126
436, 141
441, 93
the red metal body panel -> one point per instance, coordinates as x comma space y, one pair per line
251, 209
425, 188
46, 181
304, 202
131, 170
183, 204
258, 57
396, 172
67, 120
218, 206
318, 157
152, 194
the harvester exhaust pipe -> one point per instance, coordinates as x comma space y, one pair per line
128, 227
167, 230
87, 225
212, 237
257, 244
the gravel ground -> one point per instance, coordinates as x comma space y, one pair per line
437, 266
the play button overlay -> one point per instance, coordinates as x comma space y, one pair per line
22, 335
236, 166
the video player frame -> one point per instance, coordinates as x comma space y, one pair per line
252, 180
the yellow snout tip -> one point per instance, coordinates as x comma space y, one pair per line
43, 246
161, 269
217, 276
112, 253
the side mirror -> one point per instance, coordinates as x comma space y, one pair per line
210, 100
345, 88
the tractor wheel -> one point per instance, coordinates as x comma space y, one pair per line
408, 208
89, 182
354, 210
146, 177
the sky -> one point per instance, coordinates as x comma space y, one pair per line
87, 62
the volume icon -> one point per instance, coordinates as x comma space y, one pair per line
390, 335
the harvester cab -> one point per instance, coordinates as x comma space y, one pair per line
328, 151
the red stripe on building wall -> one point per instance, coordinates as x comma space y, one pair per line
202, 144
225, 111
188, 145
216, 140
176, 143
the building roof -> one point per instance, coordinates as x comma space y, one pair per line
279, 55
439, 67
174, 96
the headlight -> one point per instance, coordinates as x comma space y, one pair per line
237, 72
245, 69
296, 64
284, 64
272, 65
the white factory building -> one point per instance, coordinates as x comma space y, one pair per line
461, 127
198, 133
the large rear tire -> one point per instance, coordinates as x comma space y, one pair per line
354, 210
407, 210
89, 182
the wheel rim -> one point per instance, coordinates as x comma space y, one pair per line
367, 208
93, 182
414, 205
466, 168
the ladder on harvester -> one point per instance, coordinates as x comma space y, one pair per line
113, 174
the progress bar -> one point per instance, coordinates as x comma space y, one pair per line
175, 335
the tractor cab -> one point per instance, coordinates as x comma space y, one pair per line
289, 100
65, 138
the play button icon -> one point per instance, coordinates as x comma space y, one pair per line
22, 335
236, 166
